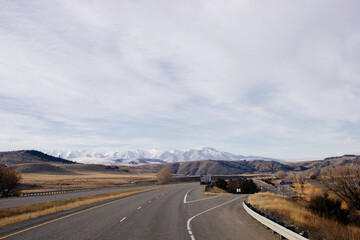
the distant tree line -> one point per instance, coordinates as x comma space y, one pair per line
111, 167
246, 186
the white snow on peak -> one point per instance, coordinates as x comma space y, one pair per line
149, 156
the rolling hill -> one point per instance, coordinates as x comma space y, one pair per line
29, 156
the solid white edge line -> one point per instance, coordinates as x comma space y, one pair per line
188, 193
189, 220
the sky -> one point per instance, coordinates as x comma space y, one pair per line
276, 78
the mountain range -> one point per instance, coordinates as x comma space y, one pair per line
32, 161
135, 157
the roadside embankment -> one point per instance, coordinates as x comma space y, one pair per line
294, 212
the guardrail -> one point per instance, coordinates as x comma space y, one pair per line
31, 194
43, 193
274, 226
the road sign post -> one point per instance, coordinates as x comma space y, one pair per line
302, 189
55, 203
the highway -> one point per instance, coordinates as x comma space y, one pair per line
19, 201
178, 212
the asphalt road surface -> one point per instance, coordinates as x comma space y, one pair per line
19, 201
177, 212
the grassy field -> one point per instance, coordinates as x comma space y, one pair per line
295, 213
47, 182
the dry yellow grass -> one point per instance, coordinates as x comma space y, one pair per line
19, 214
217, 191
293, 213
47, 182
309, 191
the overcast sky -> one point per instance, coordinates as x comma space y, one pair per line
271, 78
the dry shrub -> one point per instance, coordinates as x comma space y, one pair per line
314, 174
291, 176
300, 178
164, 175
329, 208
345, 183
9, 182
296, 213
280, 174
312, 192
220, 183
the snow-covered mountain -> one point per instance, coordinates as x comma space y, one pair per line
150, 156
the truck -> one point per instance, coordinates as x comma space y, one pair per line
205, 179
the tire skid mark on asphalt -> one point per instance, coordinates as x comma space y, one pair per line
189, 220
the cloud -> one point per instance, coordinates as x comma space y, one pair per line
248, 77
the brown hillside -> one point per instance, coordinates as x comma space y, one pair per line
221, 167
29, 156
331, 162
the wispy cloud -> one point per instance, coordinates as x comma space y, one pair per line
279, 79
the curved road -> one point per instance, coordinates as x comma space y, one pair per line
178, 212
